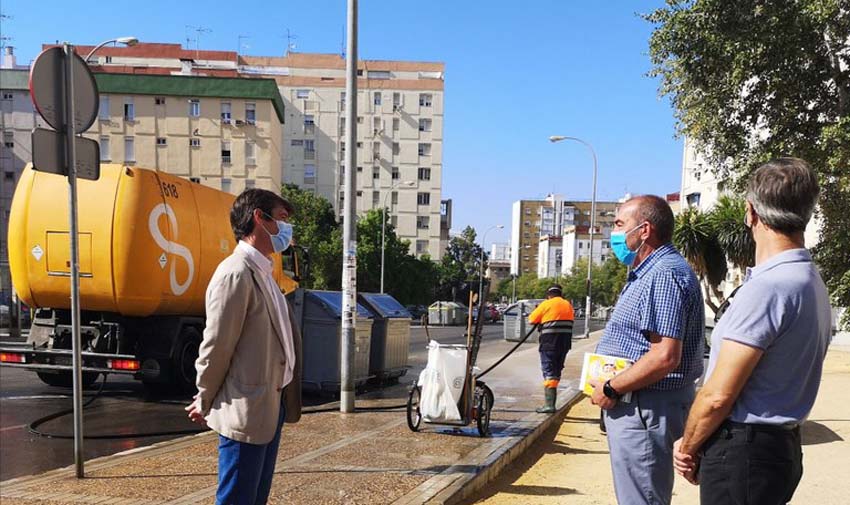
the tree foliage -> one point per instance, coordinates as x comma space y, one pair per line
752, 80
460, 267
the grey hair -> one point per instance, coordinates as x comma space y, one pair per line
657, 212
784, 192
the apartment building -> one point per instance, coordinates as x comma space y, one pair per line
17, 120
541, 228
223, 132
399, 137
498, 264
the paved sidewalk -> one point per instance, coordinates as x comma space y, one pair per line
366, 457
570, 463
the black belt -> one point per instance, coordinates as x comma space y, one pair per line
751, 428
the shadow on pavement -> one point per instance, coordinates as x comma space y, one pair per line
813, 433
539, 490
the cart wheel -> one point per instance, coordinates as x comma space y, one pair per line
414, 417
484, 408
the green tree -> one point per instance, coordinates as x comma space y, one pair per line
752, 80
459, 268
316, 229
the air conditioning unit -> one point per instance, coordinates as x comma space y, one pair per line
239, 122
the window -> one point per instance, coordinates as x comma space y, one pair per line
425, 99
251, 113
104, 149
194, 107
376, 99
196, 180
297, 143
376, 173
424, 149
129, 109
309, 174
421, 246
359, 169
225, 112
376, 150
194, 142
394, 198
309, 149
424, 125
359, 193
378, 74
376, 198
341, 126
9, 140
342, 147
159, 100
581, 245
161, 141
359, 145
605, 244
103, 107
394, 220
250, 153
396, 100
396, 149
9, 176
376, 126
8, 96
342, 100
422, 222
395, 174
423, 199
359, 119
250, 183
225, 152
129, 149
424, 174
309, 125
302, 93
225, 185
396, 124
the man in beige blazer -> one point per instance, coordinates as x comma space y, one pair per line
249, 363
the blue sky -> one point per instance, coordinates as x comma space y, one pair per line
516, 72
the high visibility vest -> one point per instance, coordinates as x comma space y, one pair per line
555, 316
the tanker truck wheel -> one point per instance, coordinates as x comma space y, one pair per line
184, 360
64, 380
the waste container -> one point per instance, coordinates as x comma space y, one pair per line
516, 321
322, 346
447, 314
390, 335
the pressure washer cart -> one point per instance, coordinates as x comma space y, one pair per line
449, 391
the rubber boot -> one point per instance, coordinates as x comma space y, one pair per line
550, 395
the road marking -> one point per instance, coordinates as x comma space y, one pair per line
10, 428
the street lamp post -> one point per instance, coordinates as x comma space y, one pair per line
481, 268
558, 138
384, 224
127, 41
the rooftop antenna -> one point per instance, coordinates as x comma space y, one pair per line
290, 44
239, 44
342, 42
200, 30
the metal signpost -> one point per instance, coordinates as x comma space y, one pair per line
65, 94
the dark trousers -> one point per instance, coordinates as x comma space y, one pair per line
553, 351
749, 464
245, 470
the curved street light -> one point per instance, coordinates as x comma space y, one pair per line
558, 138
384, 223
481, 267
127, 41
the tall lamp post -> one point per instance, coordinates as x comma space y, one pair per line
558, 138
127, 41
481, 267
384, 223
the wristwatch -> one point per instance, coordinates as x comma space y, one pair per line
609, 391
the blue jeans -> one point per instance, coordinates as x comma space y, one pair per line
245, 470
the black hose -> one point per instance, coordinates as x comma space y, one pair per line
503, 358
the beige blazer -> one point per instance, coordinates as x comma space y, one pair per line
241, 359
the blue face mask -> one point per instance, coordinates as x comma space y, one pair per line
283, 237
621, 249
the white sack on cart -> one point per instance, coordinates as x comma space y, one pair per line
442, 383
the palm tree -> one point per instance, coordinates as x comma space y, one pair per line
735, 238
695, 238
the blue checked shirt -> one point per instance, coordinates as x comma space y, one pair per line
662, 295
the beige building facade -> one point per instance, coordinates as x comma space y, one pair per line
222, 132
399, 137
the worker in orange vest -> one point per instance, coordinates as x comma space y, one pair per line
555, 317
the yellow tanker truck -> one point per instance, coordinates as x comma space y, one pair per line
149, 243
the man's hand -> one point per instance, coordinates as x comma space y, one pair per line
195, 413
599, 398
686, 465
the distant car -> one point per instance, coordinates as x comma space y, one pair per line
417, 311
